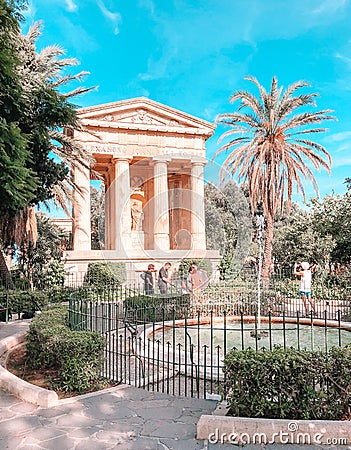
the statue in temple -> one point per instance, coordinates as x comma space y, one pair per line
137, 215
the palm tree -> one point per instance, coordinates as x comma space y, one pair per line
271, 150
48, 69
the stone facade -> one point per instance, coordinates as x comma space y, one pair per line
151, 159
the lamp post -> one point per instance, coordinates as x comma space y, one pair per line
259, 227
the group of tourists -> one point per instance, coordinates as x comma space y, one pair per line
195, 281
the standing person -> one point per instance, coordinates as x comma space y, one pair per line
304, 270
197, 278
163, 278
148, 278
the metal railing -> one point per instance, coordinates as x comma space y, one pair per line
176, 344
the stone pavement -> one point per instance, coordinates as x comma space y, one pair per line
122, 417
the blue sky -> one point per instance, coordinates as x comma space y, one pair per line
193, 54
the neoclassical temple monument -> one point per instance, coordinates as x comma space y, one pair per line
151, 159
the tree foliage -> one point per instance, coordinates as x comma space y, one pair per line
34, 114
228, 225
17, 180
320, 233
97, 208
271, 149
41, 264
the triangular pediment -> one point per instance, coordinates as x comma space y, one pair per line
142, 113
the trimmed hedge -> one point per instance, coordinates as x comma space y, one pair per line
33, 300
289, 384
77, 356
155, 308
105, 273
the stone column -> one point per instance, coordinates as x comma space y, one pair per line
198, 231
120, 212
161, 207
107, 212
81, 209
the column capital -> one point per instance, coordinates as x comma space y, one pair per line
116, 159
198, 161
161, 159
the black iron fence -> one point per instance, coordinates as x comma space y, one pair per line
176, 343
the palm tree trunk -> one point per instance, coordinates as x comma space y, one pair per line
5, 274
267, 254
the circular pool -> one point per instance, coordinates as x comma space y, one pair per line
205, 341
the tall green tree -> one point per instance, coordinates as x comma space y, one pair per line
271, 150
18, 182
34, 112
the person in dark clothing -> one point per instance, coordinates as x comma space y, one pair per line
163, 279
148, 278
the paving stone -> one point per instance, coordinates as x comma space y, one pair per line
10, 442
123, 427
182, 444
158, 403
45, 433
122, 418
23, 408
50, 412
18, 426
61, 442
69, 421
167, 429
83, 433
94, 445
165, 413
142, 444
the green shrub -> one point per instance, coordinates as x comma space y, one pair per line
25, 301
155, 308
75, 355
105, 273
289, 383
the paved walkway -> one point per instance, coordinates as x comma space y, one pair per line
123, 418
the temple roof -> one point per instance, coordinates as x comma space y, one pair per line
143, 113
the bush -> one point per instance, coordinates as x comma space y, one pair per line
155, 308
25, 301
75, 355
104, 273
289, 383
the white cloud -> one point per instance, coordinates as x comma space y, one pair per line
339, 137
343, 58
341, 162
220, 29
113, 17
71, 6
329, 6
